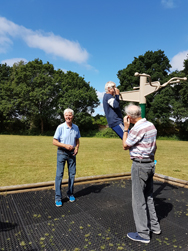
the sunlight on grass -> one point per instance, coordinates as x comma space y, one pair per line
32, 159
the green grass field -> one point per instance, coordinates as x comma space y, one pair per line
32, 159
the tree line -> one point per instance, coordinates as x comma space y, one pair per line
34, 95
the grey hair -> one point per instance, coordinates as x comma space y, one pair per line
69, 110
109, 84
133, 111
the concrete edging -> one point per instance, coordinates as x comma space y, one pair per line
50, 184
86, 180
171, 180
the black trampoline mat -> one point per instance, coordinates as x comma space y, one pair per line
99, 219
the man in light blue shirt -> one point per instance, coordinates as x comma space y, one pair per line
66, 138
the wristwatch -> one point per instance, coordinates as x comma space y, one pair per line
125, 130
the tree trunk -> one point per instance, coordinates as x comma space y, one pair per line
42, 126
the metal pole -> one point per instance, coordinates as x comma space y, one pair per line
143, 110
142, 99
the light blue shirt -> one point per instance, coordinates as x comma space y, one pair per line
67, 135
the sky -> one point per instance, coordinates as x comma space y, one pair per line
95, 38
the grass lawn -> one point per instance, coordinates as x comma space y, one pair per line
32, 159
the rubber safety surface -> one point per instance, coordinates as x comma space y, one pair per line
99, 219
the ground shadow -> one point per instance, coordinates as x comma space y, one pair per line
163, 207
163, 186
6, 226
90, 189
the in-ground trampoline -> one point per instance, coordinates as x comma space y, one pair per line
100, 219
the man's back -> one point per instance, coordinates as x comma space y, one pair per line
112, 110
142, 140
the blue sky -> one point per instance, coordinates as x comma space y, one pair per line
95, 38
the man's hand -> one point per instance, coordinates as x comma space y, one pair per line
66, 146
76, 147
75, 151
126, 122
117, 91
69, 147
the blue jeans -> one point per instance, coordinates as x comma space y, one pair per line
142, 199
62, 157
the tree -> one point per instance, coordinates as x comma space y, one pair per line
74, 92
6, 111
180, 105
100, 120
185, 64
35, 95
33, 91
157, 65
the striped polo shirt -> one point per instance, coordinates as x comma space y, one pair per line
142, 140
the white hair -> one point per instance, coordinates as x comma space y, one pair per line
109, 84
133, 111
69, 110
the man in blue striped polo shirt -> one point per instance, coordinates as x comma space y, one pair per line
141, 142
66, 138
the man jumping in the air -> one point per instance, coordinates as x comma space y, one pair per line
112, 109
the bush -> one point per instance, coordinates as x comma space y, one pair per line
173, 137
106, 133
90, 133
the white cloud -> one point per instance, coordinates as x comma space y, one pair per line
169, 4
89, 67
99, 110
5, 43
11, 61
177, 61
100, 94
65, 71
48, 42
